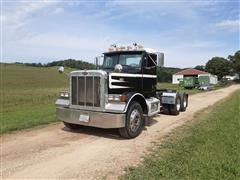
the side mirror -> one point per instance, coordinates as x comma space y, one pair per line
61, 69
160, 59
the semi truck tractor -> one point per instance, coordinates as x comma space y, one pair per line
121, 93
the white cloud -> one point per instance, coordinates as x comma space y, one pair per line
47, 47
58, 10
2, 18
198, 44
95, 28
229, 24
16, 15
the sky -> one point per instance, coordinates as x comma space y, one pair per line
188, 32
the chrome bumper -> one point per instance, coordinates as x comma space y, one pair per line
96, 119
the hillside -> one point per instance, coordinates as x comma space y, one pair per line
28, 95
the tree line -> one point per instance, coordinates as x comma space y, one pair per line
163, 74
221, 66
71, 63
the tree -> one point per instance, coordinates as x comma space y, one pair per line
164, 74
72, 63
235, 62
218, 66
200, 67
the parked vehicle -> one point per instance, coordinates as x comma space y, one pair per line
204, 80
206, 87
121, 94
190, 82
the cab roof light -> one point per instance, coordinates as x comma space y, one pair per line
110, 49
122, 48
114, 47
129, 47
137, 46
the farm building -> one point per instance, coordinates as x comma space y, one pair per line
176, 78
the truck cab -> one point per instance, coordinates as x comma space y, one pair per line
122, 93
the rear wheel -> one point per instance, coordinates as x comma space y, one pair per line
134, 121
71, 126
184, 102
175, 108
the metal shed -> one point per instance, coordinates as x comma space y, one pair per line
176, 78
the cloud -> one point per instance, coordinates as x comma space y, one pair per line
17, 14
2, 18
51, 46
199, 44
229, 24
48, 30
58, 10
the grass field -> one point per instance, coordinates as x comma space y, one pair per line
177, 87
28, 95
208, 148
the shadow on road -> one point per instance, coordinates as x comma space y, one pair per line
106, 133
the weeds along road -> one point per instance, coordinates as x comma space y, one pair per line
55, 152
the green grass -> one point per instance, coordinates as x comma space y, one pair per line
177, 87
207, 148
28, 95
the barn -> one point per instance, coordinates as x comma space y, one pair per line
176, 78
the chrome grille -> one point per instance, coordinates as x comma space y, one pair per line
85, 91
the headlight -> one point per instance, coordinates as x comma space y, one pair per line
64, 94
117, 97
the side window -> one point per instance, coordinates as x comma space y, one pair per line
151, 60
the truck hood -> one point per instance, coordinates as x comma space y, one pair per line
88, 73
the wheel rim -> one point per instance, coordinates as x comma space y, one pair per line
135, 120
178, 104
185, 102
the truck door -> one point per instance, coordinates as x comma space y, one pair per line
149, 74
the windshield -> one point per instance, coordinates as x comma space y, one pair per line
128, 61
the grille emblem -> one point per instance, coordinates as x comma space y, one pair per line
85, 73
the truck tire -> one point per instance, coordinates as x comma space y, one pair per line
174, 109
71, 126
184, 102
134, 121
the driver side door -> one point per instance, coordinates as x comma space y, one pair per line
149, 74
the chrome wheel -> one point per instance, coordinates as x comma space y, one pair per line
135, 120
178, 105
185, 103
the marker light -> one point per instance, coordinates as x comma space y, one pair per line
114, 47
64, 94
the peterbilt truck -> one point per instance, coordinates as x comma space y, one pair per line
121, 93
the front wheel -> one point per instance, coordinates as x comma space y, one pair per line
134, 121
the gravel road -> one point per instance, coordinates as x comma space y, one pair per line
90, 153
